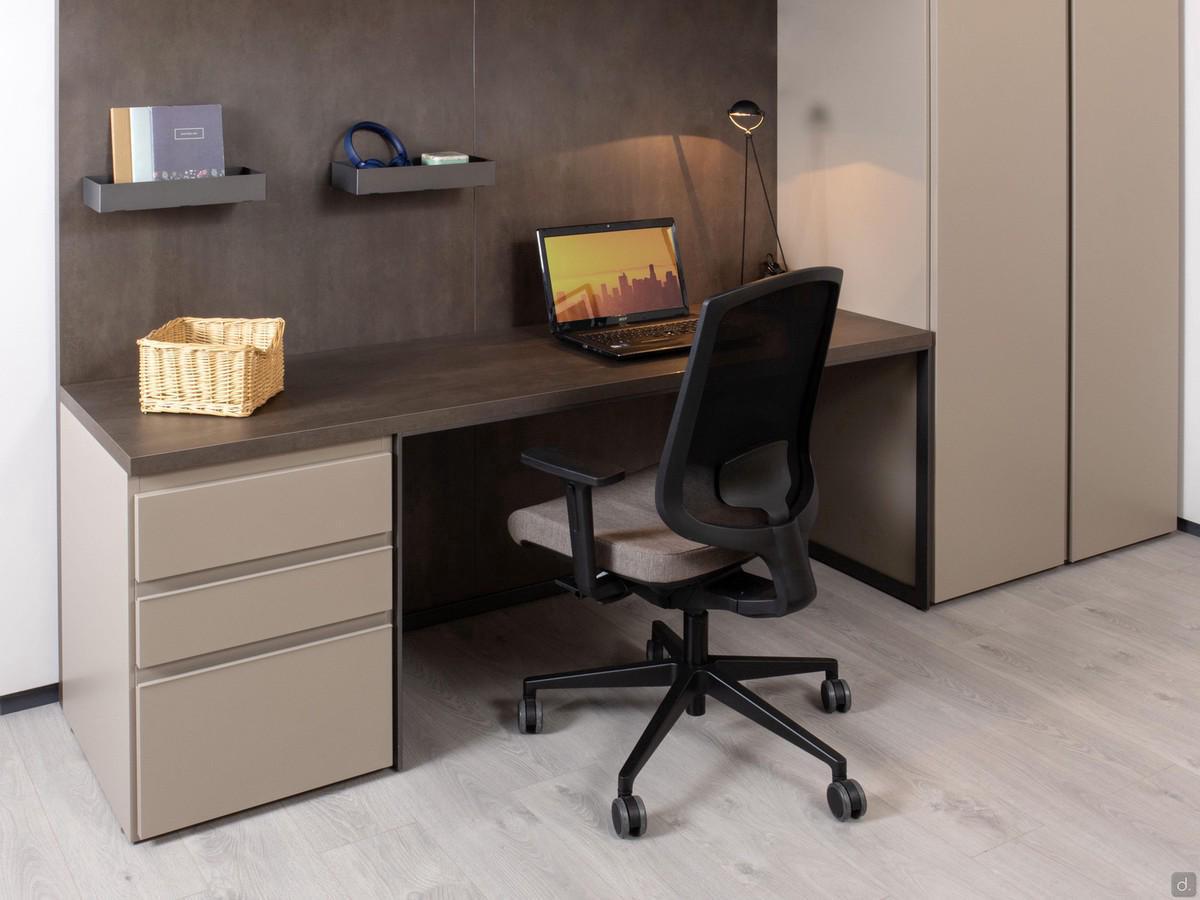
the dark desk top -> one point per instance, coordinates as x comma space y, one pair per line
338, 396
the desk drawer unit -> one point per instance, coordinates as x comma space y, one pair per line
233, 736
218, 523
177, 624
228, 630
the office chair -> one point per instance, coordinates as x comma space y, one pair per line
735, 482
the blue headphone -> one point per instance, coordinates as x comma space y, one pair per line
400, 155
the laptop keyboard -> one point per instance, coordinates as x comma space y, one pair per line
640, 334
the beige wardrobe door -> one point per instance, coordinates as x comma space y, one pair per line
1125, 304
1000, 265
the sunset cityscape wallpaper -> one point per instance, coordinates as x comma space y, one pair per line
613, 273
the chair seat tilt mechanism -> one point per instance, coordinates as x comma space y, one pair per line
735, 482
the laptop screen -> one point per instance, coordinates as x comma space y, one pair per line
608, 274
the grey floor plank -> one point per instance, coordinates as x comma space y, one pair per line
1134, 839
31, 861
1038, 739
970, 693
698, 844
1046, 875
403, 862
349, 811
101, 860
513, 853
259, 854
1111, 690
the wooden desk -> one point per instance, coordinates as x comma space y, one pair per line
285, 521
412, 388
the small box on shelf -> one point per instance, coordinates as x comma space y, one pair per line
478, 172
237, 185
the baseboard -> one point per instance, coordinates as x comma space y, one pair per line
473, 606
39, 696
1189, 527
873, 577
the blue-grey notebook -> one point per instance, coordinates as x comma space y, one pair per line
188, 142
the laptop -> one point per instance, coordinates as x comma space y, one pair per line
617, 289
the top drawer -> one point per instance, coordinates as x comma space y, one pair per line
217, 523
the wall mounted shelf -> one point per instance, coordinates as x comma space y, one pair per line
239, 185
479, 172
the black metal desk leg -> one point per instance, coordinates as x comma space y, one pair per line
923, 564
397, 595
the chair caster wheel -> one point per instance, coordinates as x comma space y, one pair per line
847, 800
655, 652
835, 695
529, 716
629, 816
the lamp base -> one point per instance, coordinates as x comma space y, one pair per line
772, 266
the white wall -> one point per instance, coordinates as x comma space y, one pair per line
28, 532
1189, 504
853, 141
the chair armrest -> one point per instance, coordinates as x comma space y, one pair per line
555, 462
578, 480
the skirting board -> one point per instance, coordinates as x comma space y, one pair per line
1189, 527
40, 696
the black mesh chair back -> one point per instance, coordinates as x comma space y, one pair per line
736, 470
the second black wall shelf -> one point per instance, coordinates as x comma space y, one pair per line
479, 172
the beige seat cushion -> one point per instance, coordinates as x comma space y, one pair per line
631, 540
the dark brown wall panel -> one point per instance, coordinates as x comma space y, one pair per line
291, 77
609, 111
439, 518
592, 111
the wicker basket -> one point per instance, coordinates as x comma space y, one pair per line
216, 367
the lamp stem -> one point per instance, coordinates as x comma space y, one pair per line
771, 213
745, 197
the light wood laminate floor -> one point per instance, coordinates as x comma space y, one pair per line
1036, 740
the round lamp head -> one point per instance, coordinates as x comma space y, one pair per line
746, 115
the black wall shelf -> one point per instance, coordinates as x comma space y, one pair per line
478, 172
239, 185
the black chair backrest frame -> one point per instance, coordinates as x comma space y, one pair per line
736, 470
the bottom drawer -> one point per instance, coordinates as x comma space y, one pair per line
233, 736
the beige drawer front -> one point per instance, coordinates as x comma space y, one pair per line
217, 523
231, 737
238, 611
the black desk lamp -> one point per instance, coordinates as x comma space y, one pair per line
747, 116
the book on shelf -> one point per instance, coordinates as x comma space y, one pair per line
167, 143
122, 160
187, 142
141, 143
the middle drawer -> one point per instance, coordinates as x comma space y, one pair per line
174, 625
